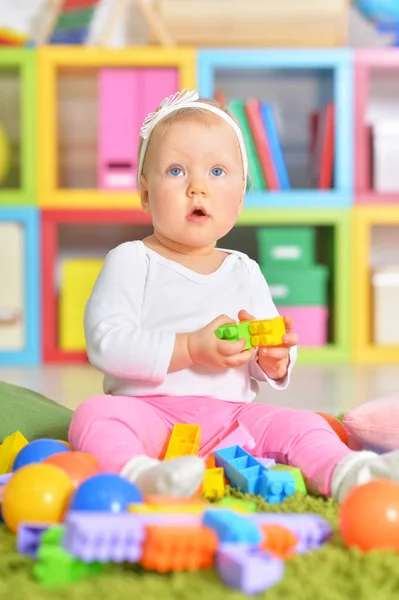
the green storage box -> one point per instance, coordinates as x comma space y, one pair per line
284, 247
298, 287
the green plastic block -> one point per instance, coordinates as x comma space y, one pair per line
56, 566
237, 504
298, 287
286, 247
233, 333
297, 475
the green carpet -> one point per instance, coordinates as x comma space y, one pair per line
332, 573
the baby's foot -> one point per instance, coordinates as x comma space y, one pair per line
361, 467
176, 477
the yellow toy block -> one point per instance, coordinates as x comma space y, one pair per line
9, 450
213, 484
268, 332
185, 440
168, 509
78, 277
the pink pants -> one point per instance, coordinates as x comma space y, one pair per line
116, 428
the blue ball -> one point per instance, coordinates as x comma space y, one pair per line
105, 492
38, 451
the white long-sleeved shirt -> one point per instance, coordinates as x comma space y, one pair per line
141, 300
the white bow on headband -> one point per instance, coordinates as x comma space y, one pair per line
179, 101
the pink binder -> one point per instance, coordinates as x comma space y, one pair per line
119, 127
156, 84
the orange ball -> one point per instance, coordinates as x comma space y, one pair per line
76, 465
336, 425
369, 516
36, 493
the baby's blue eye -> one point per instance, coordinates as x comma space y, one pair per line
217, 172
175, 171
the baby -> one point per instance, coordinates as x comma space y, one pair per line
151, 319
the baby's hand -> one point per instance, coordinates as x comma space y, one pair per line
207, 349
274, 360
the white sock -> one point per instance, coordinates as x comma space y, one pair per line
361, 467
176, 477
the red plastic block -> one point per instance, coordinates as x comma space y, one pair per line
178, 548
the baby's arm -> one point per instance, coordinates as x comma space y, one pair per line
263, 307
116, 343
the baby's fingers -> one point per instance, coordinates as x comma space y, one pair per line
240, 359
290, 339
226, 348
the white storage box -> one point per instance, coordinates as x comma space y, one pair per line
385, 283
386, 155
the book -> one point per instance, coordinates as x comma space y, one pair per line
270, 126
254, 116
325, 147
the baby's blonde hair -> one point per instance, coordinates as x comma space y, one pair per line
188, 113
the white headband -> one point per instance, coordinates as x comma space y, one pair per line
185, 99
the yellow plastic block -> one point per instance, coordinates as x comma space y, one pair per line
9, 450
78, 277
268, 332
213, 485
150, 509
185, 440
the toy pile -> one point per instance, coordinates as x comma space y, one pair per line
74, 520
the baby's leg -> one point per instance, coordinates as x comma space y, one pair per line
298, 438
305, 440
126, 435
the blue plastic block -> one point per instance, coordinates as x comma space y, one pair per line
276, 489
232, 527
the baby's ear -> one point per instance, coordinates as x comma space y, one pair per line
241, 204
144, 198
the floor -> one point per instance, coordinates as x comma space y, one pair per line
331, 388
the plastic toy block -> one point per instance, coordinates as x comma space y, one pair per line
168, 500
237, 435
300, 485
248, 569
103, 537
178, 548
268, 463
210, 462
232, 527
279, 541
245, 472
29, 538
312, 531
238, 505
9, 450
168, 519
150, 509
185, 439
268, 332
275, 486
56, 566
213, 483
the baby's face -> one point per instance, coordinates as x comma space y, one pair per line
193, 181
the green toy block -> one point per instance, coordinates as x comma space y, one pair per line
233, 333
238, 505
297, 475
56, 566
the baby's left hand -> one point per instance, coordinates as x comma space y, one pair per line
274, 360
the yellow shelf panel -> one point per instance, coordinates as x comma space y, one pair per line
90, 199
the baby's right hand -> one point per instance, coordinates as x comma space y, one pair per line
207, 349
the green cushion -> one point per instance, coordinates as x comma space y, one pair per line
34, 415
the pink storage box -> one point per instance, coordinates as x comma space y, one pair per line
310, 323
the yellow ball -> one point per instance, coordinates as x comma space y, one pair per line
37, 493
5, 154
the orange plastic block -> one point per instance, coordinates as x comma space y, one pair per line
185, 439
279, 541
210, 462
178, 548
154, 499
150, 509
9, 450
213, 486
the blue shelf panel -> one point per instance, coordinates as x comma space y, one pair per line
298, 199
340, 62
29, 219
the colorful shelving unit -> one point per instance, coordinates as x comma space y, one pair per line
337, 63
20, 64
53, 64
20, 323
